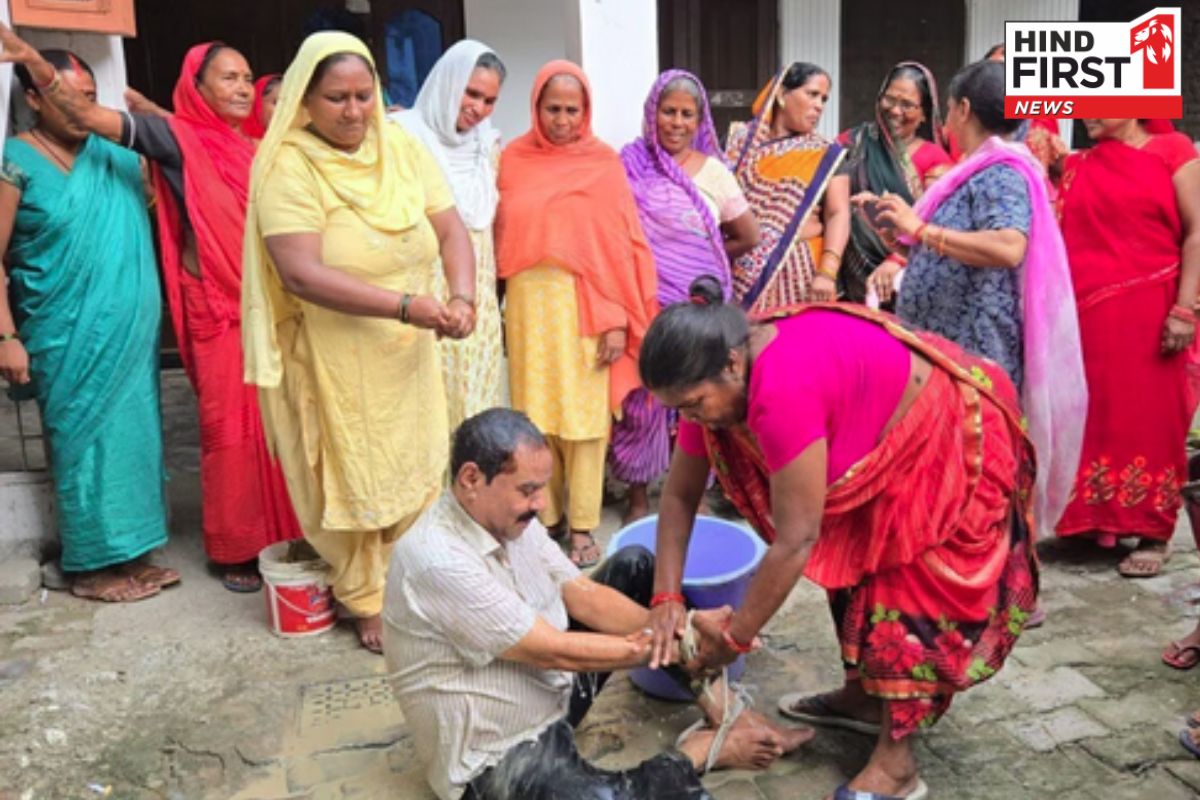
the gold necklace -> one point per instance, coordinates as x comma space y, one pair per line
49, 150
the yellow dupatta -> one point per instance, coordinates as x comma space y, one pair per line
374, 180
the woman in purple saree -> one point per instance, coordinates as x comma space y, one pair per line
696, 219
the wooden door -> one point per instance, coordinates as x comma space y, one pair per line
266, 32
732, 47
876, 34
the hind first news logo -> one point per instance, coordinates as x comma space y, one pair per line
1094, 69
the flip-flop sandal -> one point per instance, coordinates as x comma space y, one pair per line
844, 792
88, 589
242, 581
1037, 618
822, 714
575, 553
1153, 558
1177, 656
1185, 739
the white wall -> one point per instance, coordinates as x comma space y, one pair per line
525, 34
811, 30
615, 41
985, 27
102, 52
618, 48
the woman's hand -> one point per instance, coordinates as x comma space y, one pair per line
883, 280
667, 621
138, 103
1177, 335
895, 212
461, 316
427, 312
14, 362
611, 347
824, 288
16, 50
713, 652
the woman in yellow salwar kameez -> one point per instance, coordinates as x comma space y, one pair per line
347, 220
580, 293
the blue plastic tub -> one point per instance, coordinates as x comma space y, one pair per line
721, 559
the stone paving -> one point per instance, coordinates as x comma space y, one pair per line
188, 695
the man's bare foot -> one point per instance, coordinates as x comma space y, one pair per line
111, 586
639, 504
790, 738
746, 747
370, 632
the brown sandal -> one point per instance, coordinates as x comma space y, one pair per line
151, 574
108, 587
1143, 563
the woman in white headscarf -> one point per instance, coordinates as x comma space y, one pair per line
451, 117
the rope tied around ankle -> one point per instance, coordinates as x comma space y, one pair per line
734, 697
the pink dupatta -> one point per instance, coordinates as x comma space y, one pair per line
1054, 399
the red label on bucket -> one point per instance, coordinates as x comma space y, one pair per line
306, 608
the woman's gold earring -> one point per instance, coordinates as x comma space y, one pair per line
780, 102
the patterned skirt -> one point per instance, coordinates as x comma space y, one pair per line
925, 547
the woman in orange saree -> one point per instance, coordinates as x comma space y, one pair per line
891, 470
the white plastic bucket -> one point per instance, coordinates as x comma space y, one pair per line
299, 599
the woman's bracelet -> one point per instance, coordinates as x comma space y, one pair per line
732, 643
941, 245
405, 301
662, 598
51, 87
10, 337
920, 232
464, 298
828, 273
836, 255
1183, 314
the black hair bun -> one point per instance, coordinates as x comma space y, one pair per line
706, 291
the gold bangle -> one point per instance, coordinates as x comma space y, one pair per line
10, 337
833, 253
827, 273
469, 301
941, 247
52, 86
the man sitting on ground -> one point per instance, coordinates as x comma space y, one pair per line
476, 615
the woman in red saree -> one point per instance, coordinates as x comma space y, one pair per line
201, 158
891, 470
1130, 212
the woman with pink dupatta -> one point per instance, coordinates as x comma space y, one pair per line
987, 269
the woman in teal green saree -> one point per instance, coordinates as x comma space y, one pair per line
82, 338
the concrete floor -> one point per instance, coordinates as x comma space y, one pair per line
188, 695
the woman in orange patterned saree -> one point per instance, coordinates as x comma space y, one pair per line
788, 172
891, 470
